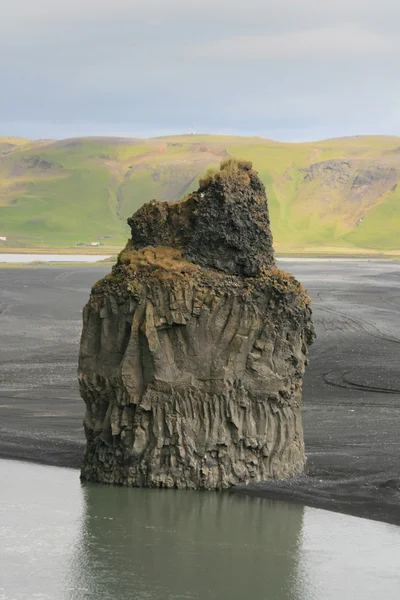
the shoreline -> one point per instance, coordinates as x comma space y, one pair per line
61, 251
351, 393
32, 259
111, 259
363, 497
358, 497
278, 254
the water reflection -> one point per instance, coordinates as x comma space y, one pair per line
64, 541
164, 544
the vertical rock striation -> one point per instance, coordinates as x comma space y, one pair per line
194, 347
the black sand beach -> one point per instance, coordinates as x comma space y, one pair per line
351, 389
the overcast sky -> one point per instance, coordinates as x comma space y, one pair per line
285, 69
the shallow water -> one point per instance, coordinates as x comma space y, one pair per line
66, 541
28, 258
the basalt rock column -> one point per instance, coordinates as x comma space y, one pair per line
194, 347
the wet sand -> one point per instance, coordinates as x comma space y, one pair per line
351, 389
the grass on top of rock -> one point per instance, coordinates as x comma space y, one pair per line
151, 259
229, 168
283, 283
135, 266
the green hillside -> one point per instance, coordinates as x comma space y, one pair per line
340, 195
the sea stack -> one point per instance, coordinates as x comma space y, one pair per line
193, 348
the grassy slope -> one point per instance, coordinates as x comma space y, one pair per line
338, 195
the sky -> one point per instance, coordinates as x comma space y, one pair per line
290, 70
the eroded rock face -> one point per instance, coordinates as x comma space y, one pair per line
225, 225
192, 357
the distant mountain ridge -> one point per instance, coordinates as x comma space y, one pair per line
338, 195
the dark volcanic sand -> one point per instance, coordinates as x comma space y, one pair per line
351, 389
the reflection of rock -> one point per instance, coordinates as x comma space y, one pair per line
165, 545
193, 348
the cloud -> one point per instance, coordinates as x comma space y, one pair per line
345, 41
279, 15
273, 67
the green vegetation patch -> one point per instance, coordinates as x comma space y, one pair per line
336, 194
